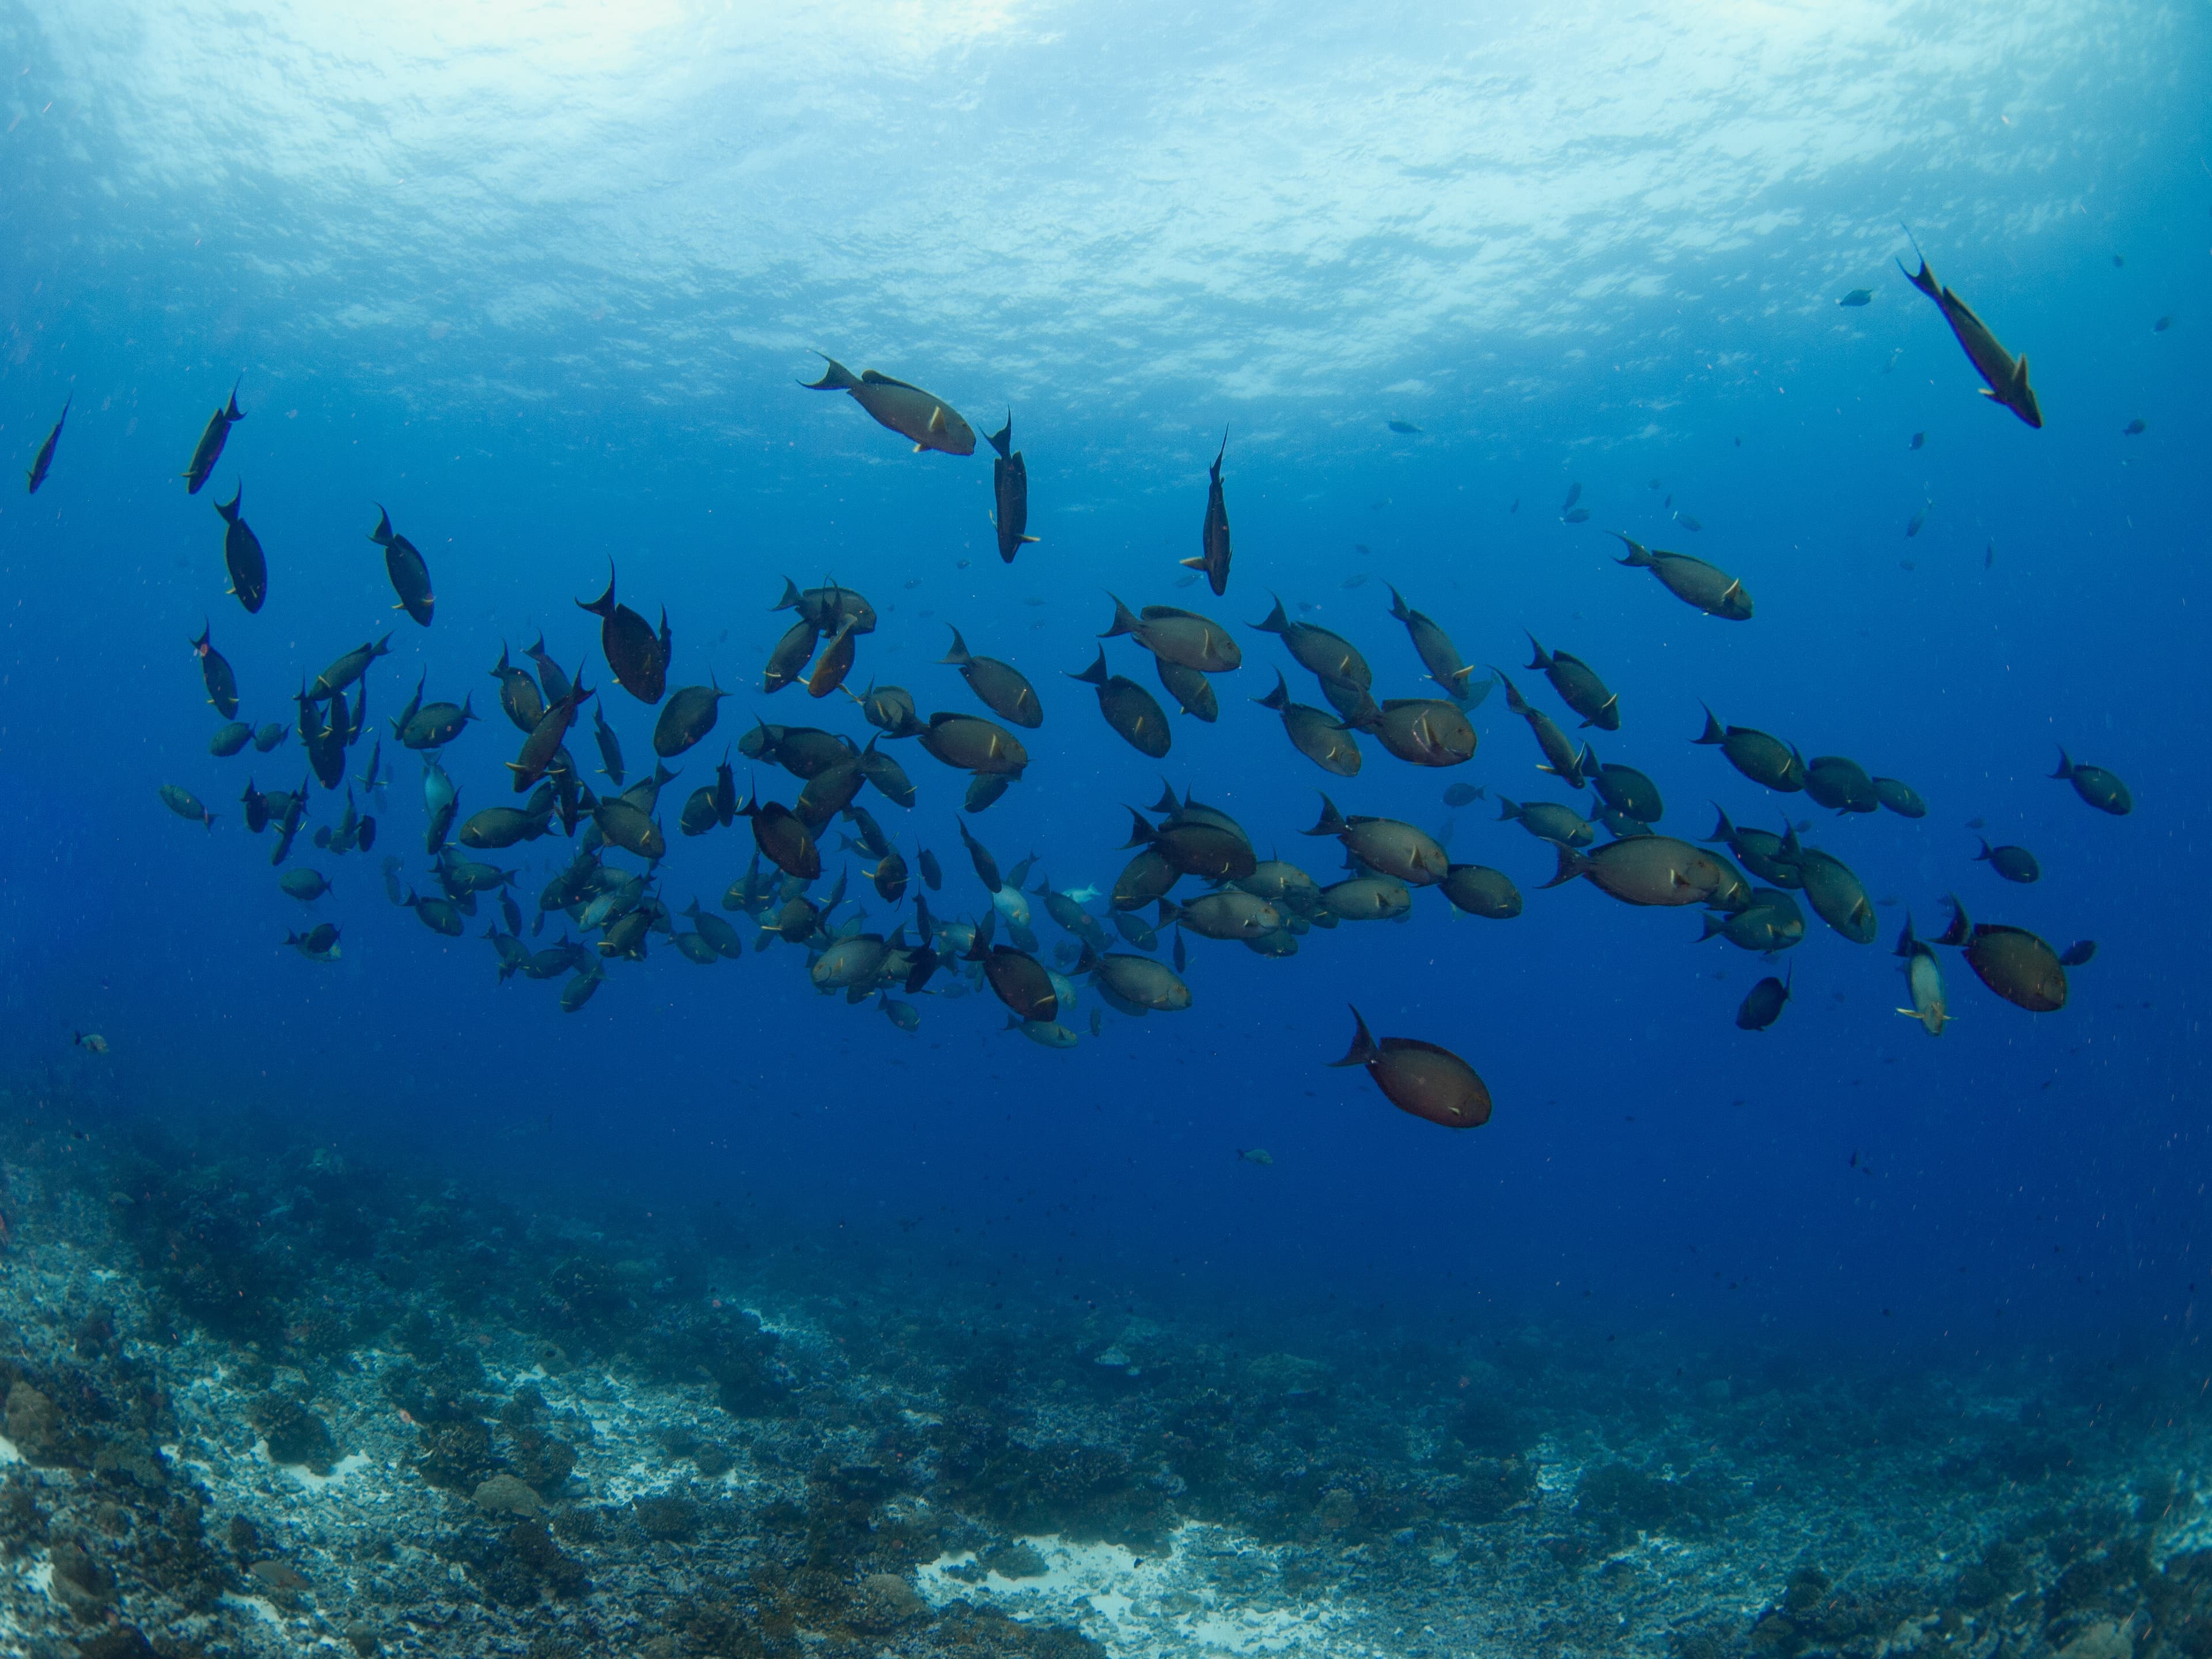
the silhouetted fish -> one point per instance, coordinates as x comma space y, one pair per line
45, 458
924, 419
2007, 375
1010, 492
212, 441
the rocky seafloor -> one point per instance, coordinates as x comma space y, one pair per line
264, 1399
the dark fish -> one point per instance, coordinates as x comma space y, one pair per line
1010, 492
1548, 820
923, 419
318, 944
1912, 524
1580, 515
438, 915
185, 804
1386, 846
889, 876
1229, 915
1321, 740
1135, 985
1405, 426
497, 827
1857, 296
904, 1015
1770, 857
1420, 1079
1763, 759
242, 554
210, 446
885, 775
2015, 864
691, 715
349, 667
1327, 655
215, 674
409, 571
1423, 731
2011, 961
1762, 1005
1837, 895
517, 693
1578, 686
987, 867
1840, 784
1900, 797
2162, 325
1624, 789
1191, 691
1358, 580
828, 793
827, 608
630, 828
305, 886
1688, 522
717, 933
1135, 715
2007, 375
889, 709
1771, 922
580, 988
1354, 704
2077, 953
637, 659
45, 458
1019, 980
1919, 440
788, 660
1213, 554
1146, 877
1574, 494
1647, 870
1481, 891
1706, 587
2097, 786
1183, 637
270, 736
435, 725
835, 662
968, 743
783, 837
1005, 690
230, 739
550, 676
1202, 843
1438, 653
2135, 428
925, 861
1460, 794
1560, 758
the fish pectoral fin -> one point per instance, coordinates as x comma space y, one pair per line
1192, 564
1027, 539
918, 448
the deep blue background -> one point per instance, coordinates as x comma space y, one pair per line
2023, 1181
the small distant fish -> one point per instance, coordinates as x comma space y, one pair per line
1913, 527
2118, 260
1886, 369
1654, 484
1978, 824
1185, 581
93, 1043
1919, 439
1688, 522
1516, 507
1580, 515
2162, 325
960, 564
1249, 1154
1359, 581
1461, 793
45, 458
2135, 428
1360, 547
1857, 296
1574, 494
2072, 956
1906, 564
1989, 555
1407, 427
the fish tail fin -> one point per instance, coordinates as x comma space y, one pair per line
604, 604
1125, 620
382, 535
1515, 702
1714, 731
1639, 557
1985, 854
1141, 834
1723, 831
1332, 821
2065, 765
958, 656
835, 377
1399, 610
1907, 945
1713, 925
1507, 809
1538, 661
1170, 912
1276, 622
232, 412
1960, 929
1003, 438
1094, 675
1363, 1049
1571, 863
229, 509
1277, 699
1088, 962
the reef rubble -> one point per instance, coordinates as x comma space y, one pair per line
271, 1402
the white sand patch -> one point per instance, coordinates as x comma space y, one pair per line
316, 1485
8, 1452
1153, 1605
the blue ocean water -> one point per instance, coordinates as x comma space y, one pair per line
542, 282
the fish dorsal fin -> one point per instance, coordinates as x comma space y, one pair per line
869, 377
